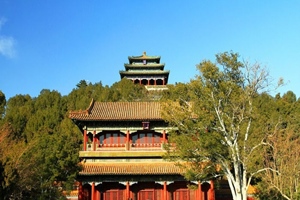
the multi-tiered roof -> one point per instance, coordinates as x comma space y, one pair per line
146, 70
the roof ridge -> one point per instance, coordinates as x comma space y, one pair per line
90, 106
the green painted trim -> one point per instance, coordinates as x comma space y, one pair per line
137, 72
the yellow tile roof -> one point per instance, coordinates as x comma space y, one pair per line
119, 111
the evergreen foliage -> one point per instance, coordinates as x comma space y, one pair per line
2, 104
39, 144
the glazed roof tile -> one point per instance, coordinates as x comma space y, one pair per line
148, 65
119, 111
138, 72
143, 57
161, 168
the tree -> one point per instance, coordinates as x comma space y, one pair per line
283, 154
2, 104
126, 90
38, 147
48, 113
219, 127
18, 111
81, 84
177, 91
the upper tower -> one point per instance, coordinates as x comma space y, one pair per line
146, 70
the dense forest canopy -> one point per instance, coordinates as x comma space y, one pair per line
39, 144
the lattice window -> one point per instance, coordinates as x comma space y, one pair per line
114, 195
146, 194
181, 194
146, 139
112, 139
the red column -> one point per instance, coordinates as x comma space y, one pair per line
94, 141
127, 140
154, 81
93, 192
164, 136
97, 194
84, 140
165, 191
127, 190
211, 191
199, 191
80, 195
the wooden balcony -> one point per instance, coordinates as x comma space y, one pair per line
120, 154
126, 147
123, 150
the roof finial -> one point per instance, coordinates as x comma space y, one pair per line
144, 53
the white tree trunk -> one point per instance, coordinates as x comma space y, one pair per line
238, 179
238, 190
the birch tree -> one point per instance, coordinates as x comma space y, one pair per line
219, 131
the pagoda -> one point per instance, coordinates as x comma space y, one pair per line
123, 148
146, 70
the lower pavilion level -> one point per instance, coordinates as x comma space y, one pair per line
147, 190
122, 157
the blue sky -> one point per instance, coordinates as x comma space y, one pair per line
53, 44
